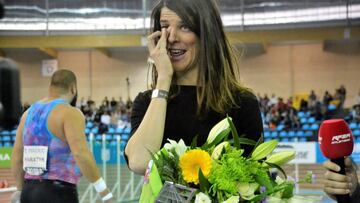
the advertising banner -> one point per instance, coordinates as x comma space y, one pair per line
305, 152
5, 157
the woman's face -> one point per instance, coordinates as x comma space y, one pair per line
182, 43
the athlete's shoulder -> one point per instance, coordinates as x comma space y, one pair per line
68, 111
73, 111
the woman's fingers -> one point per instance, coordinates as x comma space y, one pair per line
152, 40
163, 40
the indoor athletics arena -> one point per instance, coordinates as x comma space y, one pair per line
300, 58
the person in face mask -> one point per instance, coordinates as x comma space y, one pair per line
50, 151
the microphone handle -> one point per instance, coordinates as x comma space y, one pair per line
346, 197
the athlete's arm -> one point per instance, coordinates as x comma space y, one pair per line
74, 126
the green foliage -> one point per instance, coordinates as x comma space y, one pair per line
223, 135
168, 167
234, 133
233, 168
204, 183
278, 168
231, 174
193, 144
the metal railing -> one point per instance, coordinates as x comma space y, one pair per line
124, 184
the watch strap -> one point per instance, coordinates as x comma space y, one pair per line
157, 93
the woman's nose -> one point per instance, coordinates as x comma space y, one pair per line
172, 37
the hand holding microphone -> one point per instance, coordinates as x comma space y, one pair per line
336, 183
336, 142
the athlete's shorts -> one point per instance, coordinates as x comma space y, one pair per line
48, 191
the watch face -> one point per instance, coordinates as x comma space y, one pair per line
156, 93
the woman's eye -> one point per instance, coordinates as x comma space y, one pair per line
185, 28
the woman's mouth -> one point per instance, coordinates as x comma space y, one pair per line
176, 54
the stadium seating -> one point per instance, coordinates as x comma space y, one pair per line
306, 127
283, 134
314, 126
301, 114
303, 120
353, 125
311, 120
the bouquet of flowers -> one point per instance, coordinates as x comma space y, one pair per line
218, 171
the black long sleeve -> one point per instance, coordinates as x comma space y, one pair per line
183, 123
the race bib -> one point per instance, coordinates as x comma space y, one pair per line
35, 159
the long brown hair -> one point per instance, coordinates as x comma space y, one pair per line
218, 79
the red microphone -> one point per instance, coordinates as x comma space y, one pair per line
336, 141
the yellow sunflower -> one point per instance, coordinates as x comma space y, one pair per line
192, 161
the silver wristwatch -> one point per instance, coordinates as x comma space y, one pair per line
157, 93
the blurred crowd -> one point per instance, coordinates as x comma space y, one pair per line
275, 110
109, 114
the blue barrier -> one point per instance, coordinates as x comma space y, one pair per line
109, 154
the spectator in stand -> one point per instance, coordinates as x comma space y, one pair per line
317, 112
106, 118
337, 99
264, 104
128, 103
113, 104
87, 113
290, 119
273, 100
289, 102
92, 112
123, 115
90, 101
281, 106
342, 95
105, 121
355, 113
266, 100
106, 102
121, 103
357, 99
113, 120
83, 103
312, 100
273, 118
327, 98
97, 115
303, 105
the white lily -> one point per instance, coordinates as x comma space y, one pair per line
218, 149
264, 149
232, 199
202, 198
280, 158
279, 180
247, 190
221, 126
180, 147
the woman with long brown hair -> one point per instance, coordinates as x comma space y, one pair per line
195, 82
